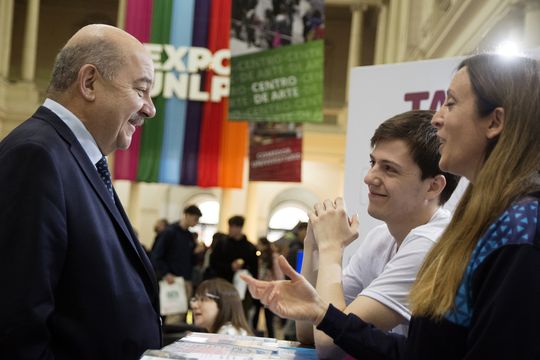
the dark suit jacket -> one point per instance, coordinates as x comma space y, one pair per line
76, 284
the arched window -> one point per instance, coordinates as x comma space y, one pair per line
284, 217
210, 217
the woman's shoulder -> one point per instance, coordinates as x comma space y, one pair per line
517, 225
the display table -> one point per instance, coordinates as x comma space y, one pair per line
196, 346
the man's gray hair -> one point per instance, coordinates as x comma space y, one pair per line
104, 55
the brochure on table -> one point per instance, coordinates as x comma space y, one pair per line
217, 346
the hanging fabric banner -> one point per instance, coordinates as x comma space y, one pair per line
184, 143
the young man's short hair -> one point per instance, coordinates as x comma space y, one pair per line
237, 220
193, 210
414, 127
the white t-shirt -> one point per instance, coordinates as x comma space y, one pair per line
382, 272
229, 329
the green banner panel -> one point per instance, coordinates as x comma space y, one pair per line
283, 84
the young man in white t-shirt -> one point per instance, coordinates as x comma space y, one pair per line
406, 191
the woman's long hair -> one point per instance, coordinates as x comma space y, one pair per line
510, 168
228, 301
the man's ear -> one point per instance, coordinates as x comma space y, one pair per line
436, 186
496, 123
86, 81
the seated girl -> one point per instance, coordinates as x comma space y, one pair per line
217, 307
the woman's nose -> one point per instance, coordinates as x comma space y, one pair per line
436, 120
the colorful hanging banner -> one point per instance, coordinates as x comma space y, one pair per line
190, 141
278, 61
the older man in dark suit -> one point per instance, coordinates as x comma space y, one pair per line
76, 283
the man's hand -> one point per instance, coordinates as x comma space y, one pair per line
237, 264
169, 278
293, 299
332, 228
200, 248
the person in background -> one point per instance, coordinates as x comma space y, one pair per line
235, 253
174, 256
476, 295
297, 243
217, 308
269, 271
160, 225
208, 272
292, 245
199, 253
76, 283
291, 242
146, 251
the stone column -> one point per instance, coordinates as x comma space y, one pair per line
30, 41
251, 213
531, 33
121, 17
6, 24
392, 35
225, 204
402, 30
355, 40
380, 40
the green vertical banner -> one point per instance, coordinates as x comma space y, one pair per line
284, 84
152, 136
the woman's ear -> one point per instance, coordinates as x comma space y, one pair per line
496, 123
436, 186
86, 81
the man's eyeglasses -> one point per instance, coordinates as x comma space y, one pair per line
203, 298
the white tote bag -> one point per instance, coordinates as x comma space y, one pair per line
239, 284
172, 297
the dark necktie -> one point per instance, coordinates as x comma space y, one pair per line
105, 175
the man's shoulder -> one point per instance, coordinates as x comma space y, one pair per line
244, 244
379, 234
377, 241
33, 132
33, 148
249, 244
31, 129
175, 229
433, 229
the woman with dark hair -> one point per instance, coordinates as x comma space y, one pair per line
477, 293
217, 307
